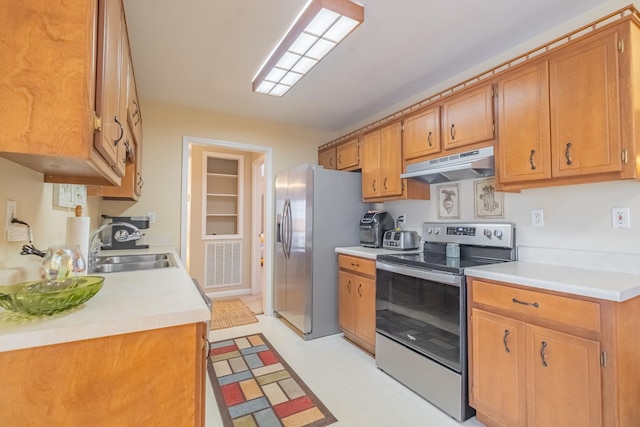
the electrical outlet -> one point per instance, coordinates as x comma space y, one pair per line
10, 213
537, 218
152, 217
620, 217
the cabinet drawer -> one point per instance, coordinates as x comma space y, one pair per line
357, 264
568, 311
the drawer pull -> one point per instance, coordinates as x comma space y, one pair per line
353, 264
504, 340
542, 355
535, 304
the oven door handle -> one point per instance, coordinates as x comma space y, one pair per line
444, 278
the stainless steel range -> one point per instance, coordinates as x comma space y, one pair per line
421, 316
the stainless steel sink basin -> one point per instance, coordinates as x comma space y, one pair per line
120, 263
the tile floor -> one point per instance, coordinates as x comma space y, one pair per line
344, 378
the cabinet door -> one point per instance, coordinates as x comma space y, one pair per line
371, 165
391, 160
421, 134
365, 297
348, 155
468, 117
563, 379
327, 158
347, 285
497, 386
585, 116
112, 131
524, 137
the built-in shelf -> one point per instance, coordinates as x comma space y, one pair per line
222, 190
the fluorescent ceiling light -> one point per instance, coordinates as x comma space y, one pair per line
320, 26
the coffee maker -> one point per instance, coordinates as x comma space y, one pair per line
120, 237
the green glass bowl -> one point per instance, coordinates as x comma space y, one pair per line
49, 296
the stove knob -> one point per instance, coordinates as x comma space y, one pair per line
498, 234
436, 231
487, 233
429, 230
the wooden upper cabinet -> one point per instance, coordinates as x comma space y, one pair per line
348, 155
327, 158
421, 135
371, 165
523, 152
129, 149
391, 160
382, 163
585, 116
467, 118
50, 53
110, 137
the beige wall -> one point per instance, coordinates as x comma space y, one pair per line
34, 200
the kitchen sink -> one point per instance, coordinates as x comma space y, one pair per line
121, 263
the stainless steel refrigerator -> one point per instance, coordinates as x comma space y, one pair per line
317, 210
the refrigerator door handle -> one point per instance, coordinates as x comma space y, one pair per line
286, 223
289, 228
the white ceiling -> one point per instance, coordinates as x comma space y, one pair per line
204, 53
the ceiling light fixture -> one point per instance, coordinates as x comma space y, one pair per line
320, 26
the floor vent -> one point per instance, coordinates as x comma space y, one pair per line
224, 264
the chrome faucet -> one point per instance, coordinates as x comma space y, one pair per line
120, 236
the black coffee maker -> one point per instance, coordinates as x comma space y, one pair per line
123, 237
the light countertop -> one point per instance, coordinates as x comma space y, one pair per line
370, 253
128, 302
607, 285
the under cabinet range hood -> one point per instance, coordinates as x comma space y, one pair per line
456, 167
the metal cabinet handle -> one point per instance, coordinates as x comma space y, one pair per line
504, 340
359, 287
568, 154
452, 132
353, 264
339, 159
330, 161
535, 304
349, 286
533, 166
429, 139
385, 183
373, 184
542, 355
115, 142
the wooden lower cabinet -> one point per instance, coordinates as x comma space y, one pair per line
149, 378
539, 358
357, 300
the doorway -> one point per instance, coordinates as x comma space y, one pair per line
255, 237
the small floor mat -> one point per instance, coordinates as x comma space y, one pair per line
231, 312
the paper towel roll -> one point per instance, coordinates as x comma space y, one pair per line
78, 234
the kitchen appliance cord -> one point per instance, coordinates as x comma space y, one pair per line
28, 249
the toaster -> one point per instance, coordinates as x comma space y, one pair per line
401, 240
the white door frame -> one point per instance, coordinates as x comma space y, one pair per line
268, 174
258, 186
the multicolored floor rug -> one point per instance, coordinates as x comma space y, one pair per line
254, 387
230, 312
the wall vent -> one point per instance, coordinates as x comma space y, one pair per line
224, 264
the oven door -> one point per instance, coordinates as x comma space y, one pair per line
423, 310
